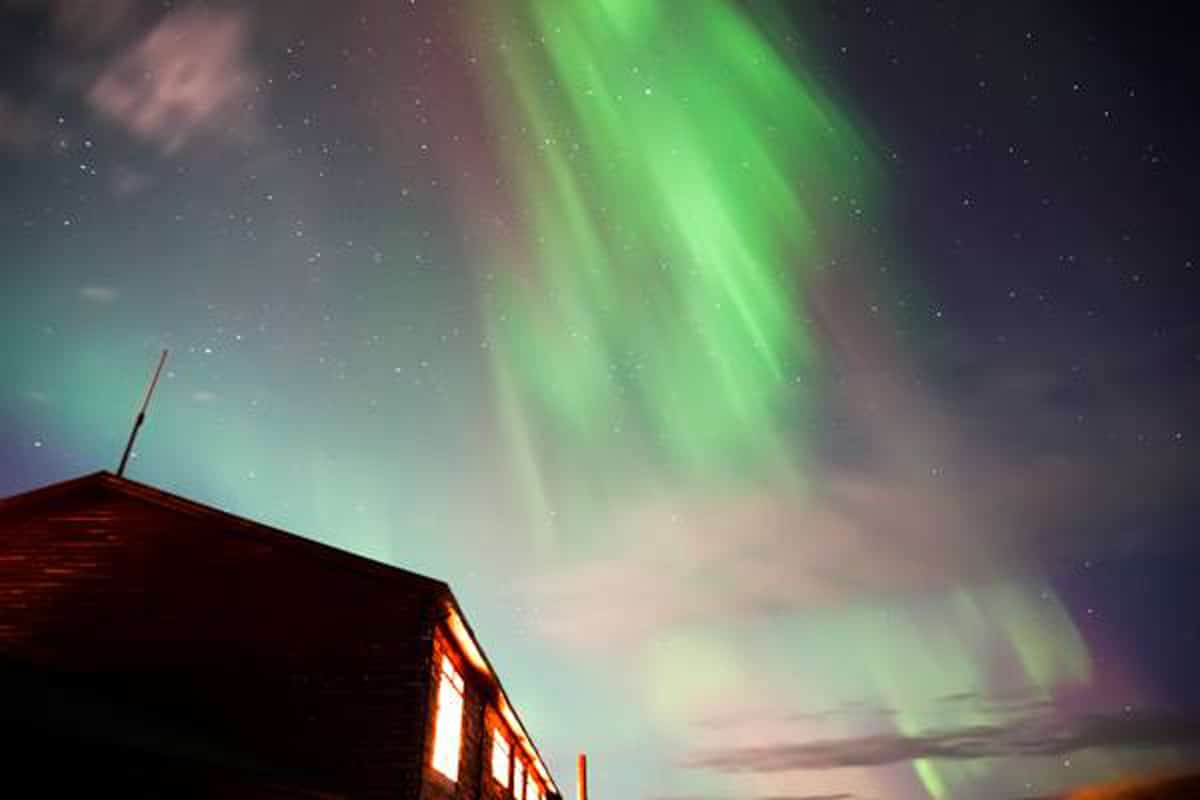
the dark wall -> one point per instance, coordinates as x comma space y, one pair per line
230, 649
39, 763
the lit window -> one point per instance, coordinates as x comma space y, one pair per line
447, 730
500, 758
518, 779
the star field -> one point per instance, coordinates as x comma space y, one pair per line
799, 397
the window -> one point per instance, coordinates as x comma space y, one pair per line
447, 726
500, 758
518, 779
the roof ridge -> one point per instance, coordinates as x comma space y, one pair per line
227, 522
230, 523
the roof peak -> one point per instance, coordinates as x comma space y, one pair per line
224, 521
232, 524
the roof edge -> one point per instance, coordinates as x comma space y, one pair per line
454, 609
229, 522
224, 520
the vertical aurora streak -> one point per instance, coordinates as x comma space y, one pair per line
772, 384
670, 175
654, 160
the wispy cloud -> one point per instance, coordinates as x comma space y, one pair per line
1037, 735
168, 79
189, 75
125, 181
99, 294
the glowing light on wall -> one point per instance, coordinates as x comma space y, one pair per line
500, 755
518, 779
447, 735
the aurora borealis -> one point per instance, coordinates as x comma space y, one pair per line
679, 279
797, 396
644, 331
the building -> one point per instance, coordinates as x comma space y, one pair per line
151, 646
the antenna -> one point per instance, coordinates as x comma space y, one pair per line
141, 416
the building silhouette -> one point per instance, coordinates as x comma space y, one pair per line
151, 646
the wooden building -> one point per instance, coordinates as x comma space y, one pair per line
151, 646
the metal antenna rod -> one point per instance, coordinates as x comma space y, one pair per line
141, 416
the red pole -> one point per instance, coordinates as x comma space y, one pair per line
582, 776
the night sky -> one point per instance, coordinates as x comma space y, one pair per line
800, 398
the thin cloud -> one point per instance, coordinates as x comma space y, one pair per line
99, 294
846, 711
125, 181
189, 75
1040, 735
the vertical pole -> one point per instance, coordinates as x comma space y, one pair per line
582, 776
141, 417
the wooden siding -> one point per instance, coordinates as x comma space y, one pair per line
263, 657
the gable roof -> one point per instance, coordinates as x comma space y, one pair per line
104, 482
222, 522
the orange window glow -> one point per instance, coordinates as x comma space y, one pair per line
447, 730
500, 755
518, 779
